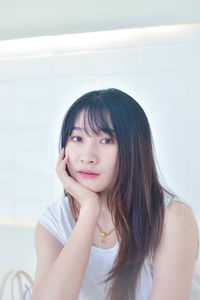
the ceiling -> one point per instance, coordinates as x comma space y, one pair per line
26, 18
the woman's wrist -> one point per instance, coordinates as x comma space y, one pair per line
92, 207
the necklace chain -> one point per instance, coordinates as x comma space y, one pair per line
104, 234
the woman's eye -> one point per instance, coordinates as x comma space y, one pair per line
75, 138
104, 141
108, 141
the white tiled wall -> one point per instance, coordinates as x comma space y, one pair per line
159, 67
16, 252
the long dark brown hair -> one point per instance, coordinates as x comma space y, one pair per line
136, 197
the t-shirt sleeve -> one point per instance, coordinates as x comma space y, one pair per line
50, 219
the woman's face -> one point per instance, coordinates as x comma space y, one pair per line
93, 153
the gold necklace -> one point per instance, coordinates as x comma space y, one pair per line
104, 234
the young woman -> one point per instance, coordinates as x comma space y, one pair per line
116, 233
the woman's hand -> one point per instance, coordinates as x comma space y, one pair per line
80, 193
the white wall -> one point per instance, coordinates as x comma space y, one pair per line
37, 18
159, 67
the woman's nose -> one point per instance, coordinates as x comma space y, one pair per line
89, 156
88, 161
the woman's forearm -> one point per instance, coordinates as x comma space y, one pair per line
64, 279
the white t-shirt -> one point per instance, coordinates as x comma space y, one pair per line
58, 219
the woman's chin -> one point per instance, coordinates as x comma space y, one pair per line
89, 187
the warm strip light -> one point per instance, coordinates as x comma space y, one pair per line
8, 222
78, 42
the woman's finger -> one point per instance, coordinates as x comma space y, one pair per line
60, 158
62, 173
63, 163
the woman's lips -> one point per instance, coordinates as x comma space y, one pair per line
87, 175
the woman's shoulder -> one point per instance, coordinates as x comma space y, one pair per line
57, 218
57, 206
174, 203
180, 220
179, 244
179, 210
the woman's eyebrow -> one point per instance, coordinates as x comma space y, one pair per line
77, 128
82, 129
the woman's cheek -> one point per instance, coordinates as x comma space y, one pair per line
70, 165
68, 152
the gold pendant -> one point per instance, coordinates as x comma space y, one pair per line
103, 234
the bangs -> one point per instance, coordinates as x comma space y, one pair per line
97, 116
96, 119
